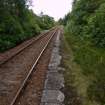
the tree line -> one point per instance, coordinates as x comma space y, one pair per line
18, 22
85, 33
88, 19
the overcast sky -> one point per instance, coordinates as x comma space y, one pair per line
54, 8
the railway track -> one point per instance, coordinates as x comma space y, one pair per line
17, 70
24, 47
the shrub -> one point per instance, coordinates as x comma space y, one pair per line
11, 26
97, 26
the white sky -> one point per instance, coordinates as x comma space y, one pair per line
55, 8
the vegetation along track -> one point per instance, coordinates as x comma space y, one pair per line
15, 72
5, 57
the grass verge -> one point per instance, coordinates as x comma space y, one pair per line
84, 75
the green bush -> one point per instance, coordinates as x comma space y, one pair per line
97, 26
92, 62
18, 23
11, 26
96, 89
85, 32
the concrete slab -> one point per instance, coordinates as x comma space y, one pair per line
61, 70
54, 79
55, 58
52, 96
54, 82
55, 75
51, 104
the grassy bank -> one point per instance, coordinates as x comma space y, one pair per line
84, 71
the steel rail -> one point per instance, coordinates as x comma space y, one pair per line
22, 49
31, 70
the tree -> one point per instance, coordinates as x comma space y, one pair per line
18, 22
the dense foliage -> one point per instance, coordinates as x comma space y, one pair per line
18, 23
85, 32
87, 20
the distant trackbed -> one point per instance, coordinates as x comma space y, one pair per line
17, 71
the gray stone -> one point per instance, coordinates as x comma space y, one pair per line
56, 44
56, 69
55, 79
55, 58
53, 82
55, 61
52, 96
51, 104
53, 66
55, 50
61, 70
53, 69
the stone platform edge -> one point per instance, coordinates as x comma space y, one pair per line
54, 82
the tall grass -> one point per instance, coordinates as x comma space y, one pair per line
92, 63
